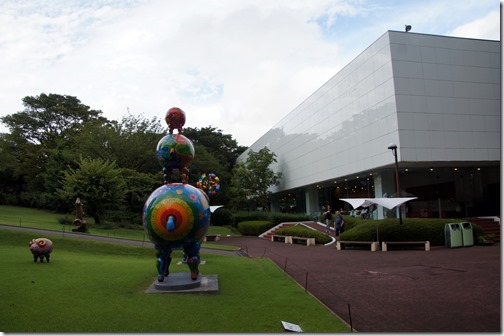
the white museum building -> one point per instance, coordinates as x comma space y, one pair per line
437, 98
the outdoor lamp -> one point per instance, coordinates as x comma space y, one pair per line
393, 147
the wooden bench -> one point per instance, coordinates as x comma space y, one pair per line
283, 239
303, 240
214, 237
340, 245
425, 243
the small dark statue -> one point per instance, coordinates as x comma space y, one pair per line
80, 222
40, 248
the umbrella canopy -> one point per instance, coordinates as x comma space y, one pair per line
215, 207
388, 203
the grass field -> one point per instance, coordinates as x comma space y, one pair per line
47, 220
92, 286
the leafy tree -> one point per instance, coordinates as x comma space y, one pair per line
47, 118
138, 188
205, 162
215, 153
40, 143
252, 178
222, 146
134, 143
98, 183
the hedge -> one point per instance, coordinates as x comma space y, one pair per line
412, 229
254, 228
274, 217
303, 231
222, 217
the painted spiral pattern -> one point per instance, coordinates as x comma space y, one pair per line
188, 208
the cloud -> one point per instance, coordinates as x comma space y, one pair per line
482, 28
239, 66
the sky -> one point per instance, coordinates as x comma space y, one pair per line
238, 66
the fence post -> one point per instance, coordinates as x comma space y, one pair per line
306, 282
350, 316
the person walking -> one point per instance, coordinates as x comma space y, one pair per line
338, 224
327, 216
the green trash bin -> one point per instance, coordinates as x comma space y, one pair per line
453, 235
467, 234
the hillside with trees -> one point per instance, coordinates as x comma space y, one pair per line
58, 149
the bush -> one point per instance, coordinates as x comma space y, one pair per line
222, 217
246, 216
303, 231
412, 229
274, 217
280, 217
254, 228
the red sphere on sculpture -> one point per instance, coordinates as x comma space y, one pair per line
175, 119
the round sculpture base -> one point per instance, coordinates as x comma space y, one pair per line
178, 281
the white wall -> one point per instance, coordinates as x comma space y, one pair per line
448, 97
436, 97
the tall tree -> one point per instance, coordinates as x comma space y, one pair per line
135, 141
222, 146
98, 183
47, 118
252, 178
41, 138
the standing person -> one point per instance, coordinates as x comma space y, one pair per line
327, 216
338, 224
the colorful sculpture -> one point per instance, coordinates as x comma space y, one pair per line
175, 152
175, 118
176, 216
40, 248
209, 183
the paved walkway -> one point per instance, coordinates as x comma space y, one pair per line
442, 290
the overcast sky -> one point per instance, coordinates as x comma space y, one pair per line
237, 65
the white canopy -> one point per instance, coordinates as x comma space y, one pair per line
388, 203
214, 207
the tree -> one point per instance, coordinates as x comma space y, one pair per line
215, 153
134, 143
222, 146
47, 118
252, 179
41, 143
97, 183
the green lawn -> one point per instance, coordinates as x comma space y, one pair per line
92, 286
47, 220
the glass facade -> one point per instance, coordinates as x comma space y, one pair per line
436, 97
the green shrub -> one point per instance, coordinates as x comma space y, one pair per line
274, 217
303, 231
246, 216
221, 217
412, 229
254, 228
280, 217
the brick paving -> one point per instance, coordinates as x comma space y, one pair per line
442, 290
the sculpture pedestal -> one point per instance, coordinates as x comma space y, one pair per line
181, 282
